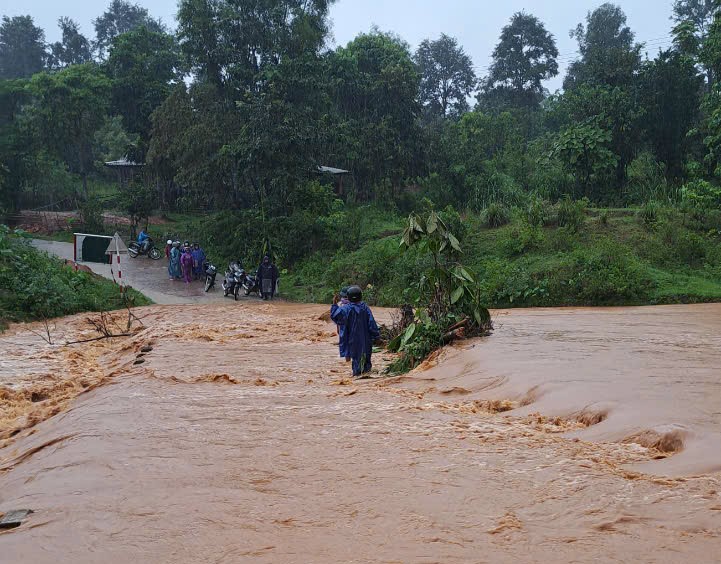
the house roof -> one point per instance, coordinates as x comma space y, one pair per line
332, 170
124, 162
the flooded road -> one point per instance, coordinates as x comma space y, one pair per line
240, 438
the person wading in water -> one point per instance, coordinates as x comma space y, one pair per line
359, 330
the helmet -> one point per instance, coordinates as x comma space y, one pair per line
344, 292
355, 294
169, 242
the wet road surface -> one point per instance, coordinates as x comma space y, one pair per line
148, 276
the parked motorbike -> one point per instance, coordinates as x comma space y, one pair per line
234, 278
251, 285
211, 271
135, 250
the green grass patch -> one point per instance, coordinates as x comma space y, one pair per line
34, 285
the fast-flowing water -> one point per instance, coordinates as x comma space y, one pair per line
240, 438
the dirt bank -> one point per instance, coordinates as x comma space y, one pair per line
238, 438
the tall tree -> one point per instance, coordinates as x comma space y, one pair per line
375, 86
22, 47
14, 145
73, 49
694, 19
121, 17
524, 57
447, 76
609, 55
68, 108
144, 65
228, 42
671, 89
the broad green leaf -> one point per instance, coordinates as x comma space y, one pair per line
408, 335
454, 242
457, 294
432, 223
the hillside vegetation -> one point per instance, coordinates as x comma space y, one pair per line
36, 286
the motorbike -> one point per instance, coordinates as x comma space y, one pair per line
234, 278
211, 271
136, 249
251, 285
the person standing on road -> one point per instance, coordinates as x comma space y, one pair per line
267, 278
198, 260
186, 264
360, 330
174, 266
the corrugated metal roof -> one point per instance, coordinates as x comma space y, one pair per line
332, 170
123, 162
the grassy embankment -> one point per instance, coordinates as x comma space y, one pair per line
36, 286
614, 258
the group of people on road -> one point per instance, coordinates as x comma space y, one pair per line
185, 262
357, 329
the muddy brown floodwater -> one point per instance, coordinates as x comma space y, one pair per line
567, 436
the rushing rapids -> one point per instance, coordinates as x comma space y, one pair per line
228, 433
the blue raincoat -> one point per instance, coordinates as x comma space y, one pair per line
359, 331
342, 344
198, 260
174, 266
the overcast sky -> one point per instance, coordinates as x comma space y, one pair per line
476, 23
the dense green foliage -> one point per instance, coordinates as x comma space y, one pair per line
607, 257
35, 286
235, 113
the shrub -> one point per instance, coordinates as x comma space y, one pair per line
538, 212
646, 179
562, 239
91, 214
496, 215
603, 218
701, 195
681, 246
649, 213
606, 274
522, 239
571, 213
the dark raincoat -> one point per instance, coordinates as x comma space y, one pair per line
198, 260
359, 331
267, 279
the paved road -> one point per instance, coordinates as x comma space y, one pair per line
147, 276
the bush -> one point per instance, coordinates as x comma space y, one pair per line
646, 179
680, 246
649, 214
522, 239
91, 215
606, 274
603, 218
496, 215
571, 213
538, 212
562, 239
701, 195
